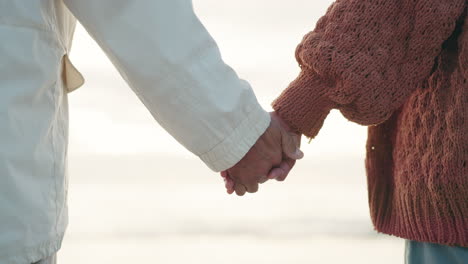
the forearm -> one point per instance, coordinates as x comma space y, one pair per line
171, 62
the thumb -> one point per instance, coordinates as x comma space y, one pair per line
290, 144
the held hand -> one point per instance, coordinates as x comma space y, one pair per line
272, 157
281, 172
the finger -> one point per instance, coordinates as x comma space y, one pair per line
224, 174
229, 189
281, 172
240, 189
263, 179
290, 143
275, 173
229, 183
286, 167
252, 188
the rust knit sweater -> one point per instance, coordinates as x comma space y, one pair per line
401, 68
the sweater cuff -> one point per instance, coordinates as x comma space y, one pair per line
232, 149
304, 104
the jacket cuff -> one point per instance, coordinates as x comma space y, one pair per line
304, 105
234, 147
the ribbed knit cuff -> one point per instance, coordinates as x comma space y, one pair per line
304, 105
231, 150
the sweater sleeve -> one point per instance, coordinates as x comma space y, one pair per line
365, 58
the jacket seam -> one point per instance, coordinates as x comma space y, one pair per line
54, 162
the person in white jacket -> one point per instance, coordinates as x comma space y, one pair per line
172, 64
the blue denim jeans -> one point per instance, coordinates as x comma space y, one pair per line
427, 253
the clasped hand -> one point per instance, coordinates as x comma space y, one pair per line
271, 157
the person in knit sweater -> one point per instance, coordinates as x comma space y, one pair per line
399, 67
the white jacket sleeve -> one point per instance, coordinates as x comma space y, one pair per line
174, 66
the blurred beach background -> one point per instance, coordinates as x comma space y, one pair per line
137, 196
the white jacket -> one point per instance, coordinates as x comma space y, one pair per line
168, 59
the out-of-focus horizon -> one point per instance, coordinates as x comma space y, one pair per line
136, 195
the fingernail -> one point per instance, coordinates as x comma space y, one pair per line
299, 154
272, 176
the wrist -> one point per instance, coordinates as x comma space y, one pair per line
275, 115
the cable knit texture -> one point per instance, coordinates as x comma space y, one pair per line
401, 68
